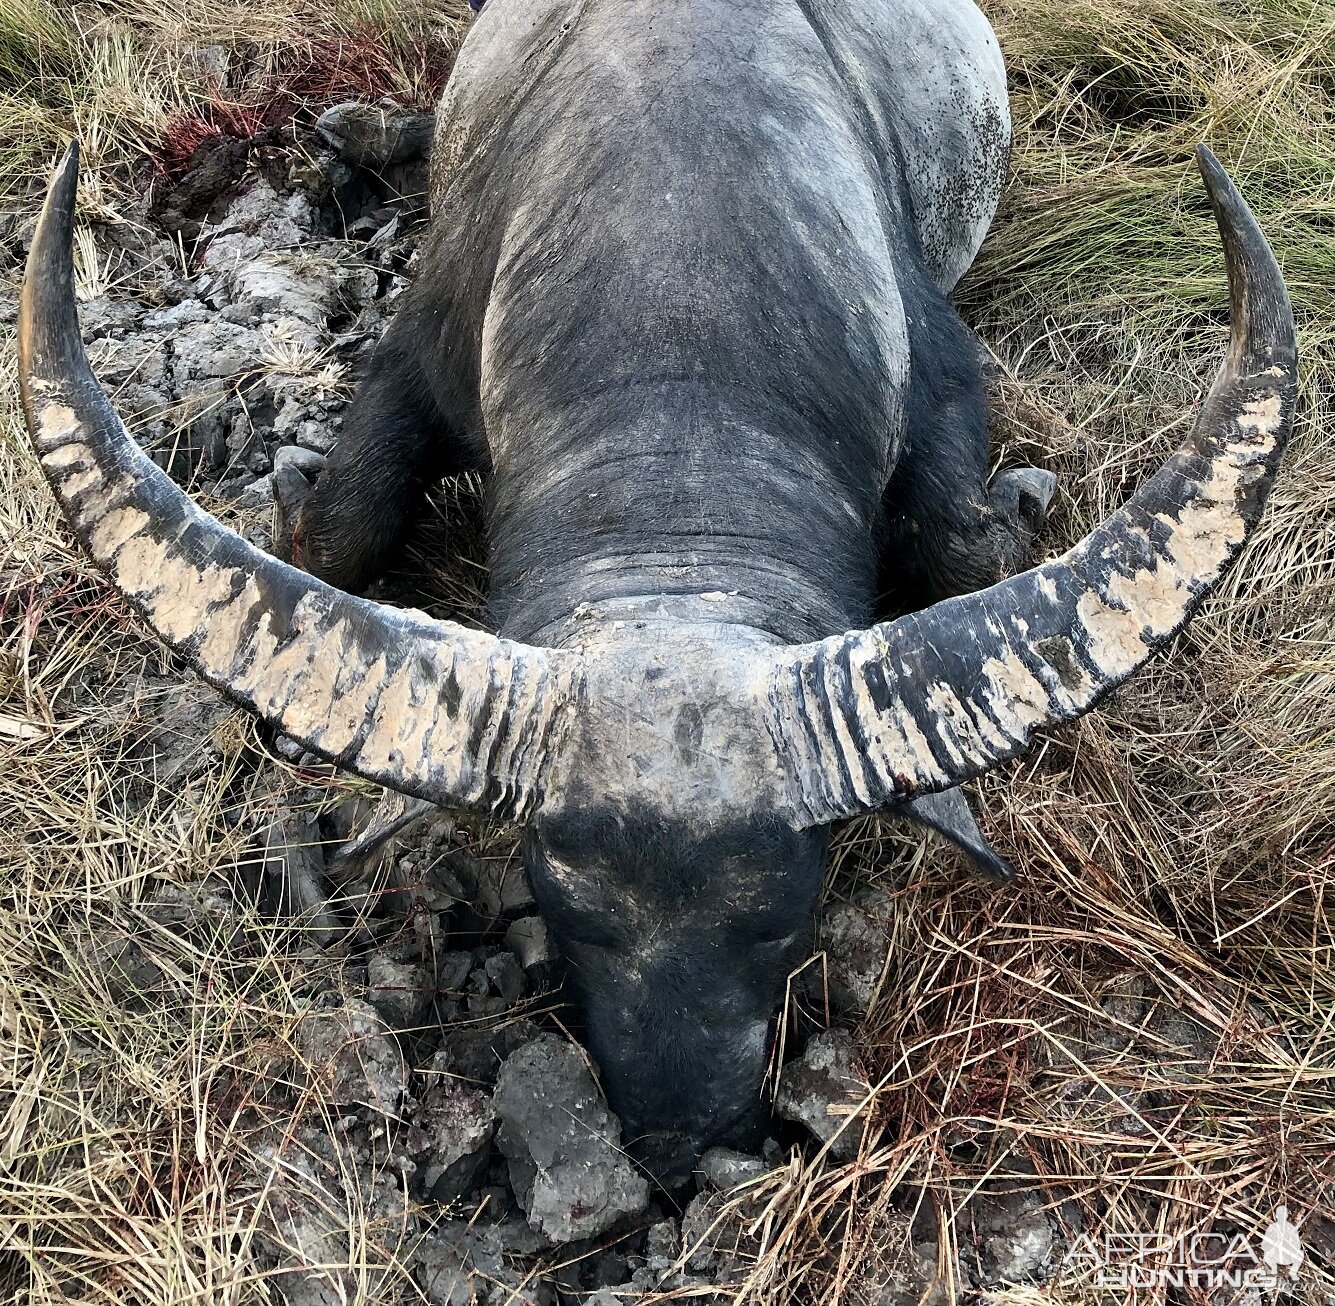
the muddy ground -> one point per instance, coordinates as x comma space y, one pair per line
464, 1116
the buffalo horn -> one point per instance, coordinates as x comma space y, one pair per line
920, 704
426, 707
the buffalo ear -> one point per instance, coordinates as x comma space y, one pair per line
948, 814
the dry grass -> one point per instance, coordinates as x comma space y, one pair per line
1176, 847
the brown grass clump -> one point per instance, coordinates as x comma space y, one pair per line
1141, 1030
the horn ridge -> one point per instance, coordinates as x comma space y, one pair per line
942, 695
451, 715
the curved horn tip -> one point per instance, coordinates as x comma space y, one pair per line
1220, 186
69, 162
47, 321
63, 189
1208, 162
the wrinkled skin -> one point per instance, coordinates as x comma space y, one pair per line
683, 299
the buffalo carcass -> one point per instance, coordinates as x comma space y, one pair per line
683, 299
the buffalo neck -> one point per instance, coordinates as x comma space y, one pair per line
676, 497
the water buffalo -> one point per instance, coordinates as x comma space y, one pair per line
683, 299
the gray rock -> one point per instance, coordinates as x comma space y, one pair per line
1231, 1296
104, 316
179, 731
311, 1193
502, 888
711, 1237
257, 493
475, 1054
452, 971
912, 1279
233, 488
856, 940
506, 976
462, 1265
260, 218
291, 413
203, 909
176, 317
530, 941
241, 314
722, 1168
456, 1263
147, 407
1083, 1097
353, 1058
297, 1226
131, 358
563, 1145
1125, 1002
1184, 1047
662, 1245
298, 287
397, 989
450, 1138
210, 61
1013, 1237
211, 351
320, 436
375, 136
306, 461
822, 1089
661, 1272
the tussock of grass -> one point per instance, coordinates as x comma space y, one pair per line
1176, 847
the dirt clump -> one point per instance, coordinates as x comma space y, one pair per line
353, 1057
563, 1145
399, 990
855, 937
823, 1090
450, 1139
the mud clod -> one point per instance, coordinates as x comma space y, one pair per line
563, 1145
463, 1265
353, 1055
856, 940
722, 1168
476, 1053
397, 989
530, 941
307, 1180
501, 889
1013, 1237
451, 1135
374, 135
823, 1089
